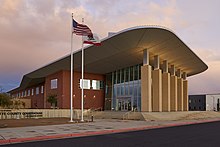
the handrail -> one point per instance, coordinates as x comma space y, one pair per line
126, 114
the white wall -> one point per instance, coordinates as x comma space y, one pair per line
211, 102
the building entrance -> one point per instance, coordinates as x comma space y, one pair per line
124, 104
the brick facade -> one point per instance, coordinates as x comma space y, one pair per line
92, 98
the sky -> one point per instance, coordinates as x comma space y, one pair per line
34, 33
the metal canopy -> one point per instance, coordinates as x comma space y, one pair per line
124, 49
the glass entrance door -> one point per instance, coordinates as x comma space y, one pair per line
124, 104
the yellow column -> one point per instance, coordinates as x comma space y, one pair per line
146, 99
185, 96
157, 90
180, 94
166, 92
173, 93
173, 89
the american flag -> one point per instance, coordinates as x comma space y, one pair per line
80, 29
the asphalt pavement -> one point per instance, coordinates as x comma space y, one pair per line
191, 135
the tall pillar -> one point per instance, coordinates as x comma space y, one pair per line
165, 88
173, 90
185, 93
157, 86
146, 69
179, 91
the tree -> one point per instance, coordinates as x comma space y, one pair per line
5, 100
52, 99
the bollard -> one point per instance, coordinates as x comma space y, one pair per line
92, 118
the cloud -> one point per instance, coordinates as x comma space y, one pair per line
36, 32
208, 81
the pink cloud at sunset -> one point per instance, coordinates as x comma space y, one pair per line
36, 32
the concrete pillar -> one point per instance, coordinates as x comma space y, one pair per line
179, 91
165, 88
146, 98
156, 62
146, 86
185, 96
185, 93
146, 57
173, 90
157, 86
180, 94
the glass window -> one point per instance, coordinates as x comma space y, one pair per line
37, 90
118, 76
96, 84
53, 84
114, 76
86, 84
136, 72
118, 90
122, 76
131, 74
126, 89
42, 89
29, 92
22, 94
126, 74
139, 72
122, 89
32, 91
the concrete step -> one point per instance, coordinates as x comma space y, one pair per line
187, 115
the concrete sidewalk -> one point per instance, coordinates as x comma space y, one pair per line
99, 126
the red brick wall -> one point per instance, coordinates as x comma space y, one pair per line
66, 90
37, 100
94, 98
58, 91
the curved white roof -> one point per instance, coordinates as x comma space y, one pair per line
124, 49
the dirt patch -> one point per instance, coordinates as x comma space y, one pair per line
11, 123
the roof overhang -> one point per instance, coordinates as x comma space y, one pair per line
124, 49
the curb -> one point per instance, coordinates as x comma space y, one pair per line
102, 132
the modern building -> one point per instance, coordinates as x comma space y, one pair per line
141, 68
204, 102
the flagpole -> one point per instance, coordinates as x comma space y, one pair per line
71, 77
82, 95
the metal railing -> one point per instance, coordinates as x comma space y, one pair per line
126, 115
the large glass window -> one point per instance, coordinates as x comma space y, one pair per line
29, 92
118, 76
97, 85
136, 71
42, 89
37, 90
53, 84
25, 93
108, 86
114, 76
127, 89
86, 84
122, 76
131, 73
32, 91
126, 74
